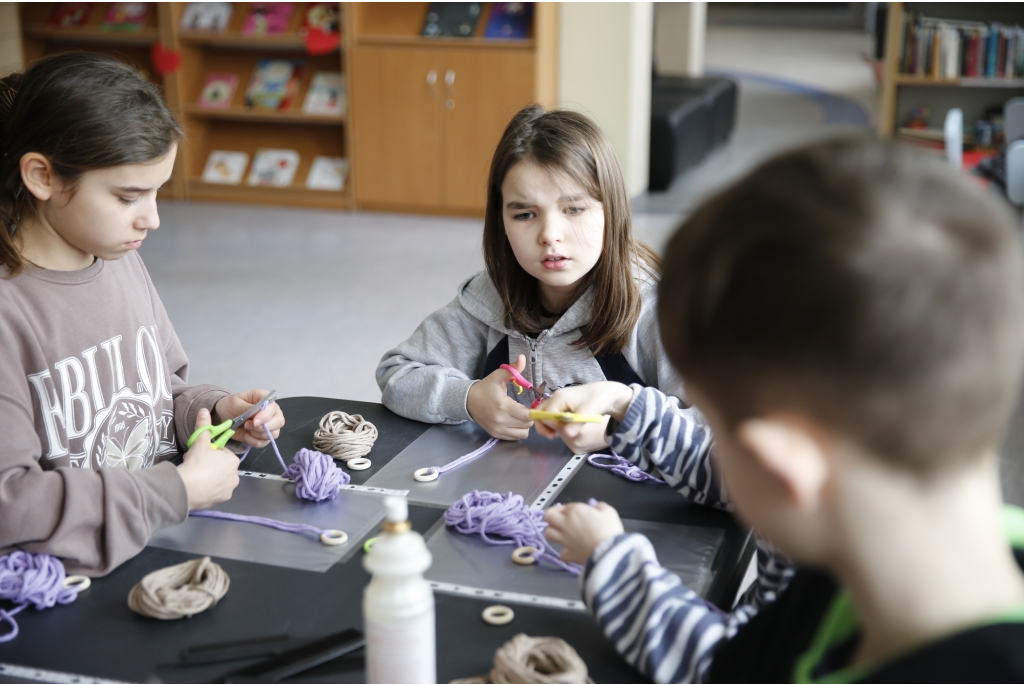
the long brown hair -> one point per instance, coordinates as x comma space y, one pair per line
83, 111
569, 143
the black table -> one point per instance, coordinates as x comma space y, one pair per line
99, 637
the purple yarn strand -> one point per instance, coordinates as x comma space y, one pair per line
466, 458
622, 467
260, 521
508, 519
36, 579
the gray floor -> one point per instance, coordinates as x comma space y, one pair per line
307, 301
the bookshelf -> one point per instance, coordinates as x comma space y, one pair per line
429, 112
415, 148
971, 93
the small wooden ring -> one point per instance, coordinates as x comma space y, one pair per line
524, 556
425, 475
80, 583
359, 464
498, 615
334, 537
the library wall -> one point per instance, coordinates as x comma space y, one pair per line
10, 39
607, 48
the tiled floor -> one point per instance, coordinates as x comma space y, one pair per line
307, 301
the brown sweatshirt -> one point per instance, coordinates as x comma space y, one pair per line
93, 402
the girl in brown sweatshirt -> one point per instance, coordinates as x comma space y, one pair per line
94, 394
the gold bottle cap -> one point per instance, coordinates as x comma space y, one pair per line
398, 527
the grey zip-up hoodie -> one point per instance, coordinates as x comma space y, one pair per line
427, 377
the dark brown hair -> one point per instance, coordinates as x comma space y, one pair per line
83, 111
863, 285
571, 144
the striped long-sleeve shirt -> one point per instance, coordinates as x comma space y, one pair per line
660, 626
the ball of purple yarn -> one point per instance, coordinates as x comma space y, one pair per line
491, 513
316, 475
36, 579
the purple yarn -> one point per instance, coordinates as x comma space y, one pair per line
508, 518
622, 467
260, 521
464, 459
316, 475
27, 578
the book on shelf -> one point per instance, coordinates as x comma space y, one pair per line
327, 173
452, 19
509, 20
126, 16
272, 167
70, 15
206, 16
225, 167
951, 49
274, 84
326, 94
218, 91
268, 18
321, 27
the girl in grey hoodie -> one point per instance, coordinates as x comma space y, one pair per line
568, 296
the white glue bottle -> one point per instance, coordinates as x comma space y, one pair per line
398, 604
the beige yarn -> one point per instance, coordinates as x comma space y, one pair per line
525, 659
344, 436
180, 590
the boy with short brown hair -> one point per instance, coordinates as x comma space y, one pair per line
850, 318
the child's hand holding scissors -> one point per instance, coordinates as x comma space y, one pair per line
252, 431
493, 410
606, 397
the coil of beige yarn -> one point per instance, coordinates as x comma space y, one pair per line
525, 659
180, 590
344, 436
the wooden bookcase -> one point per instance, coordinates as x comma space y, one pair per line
428, 112
39, 38
957, 91
411, 145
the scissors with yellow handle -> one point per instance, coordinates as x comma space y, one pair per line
564, 416
222, 432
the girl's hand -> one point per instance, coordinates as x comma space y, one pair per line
210, 475
252, 432
494, 411
606, 397
581, 528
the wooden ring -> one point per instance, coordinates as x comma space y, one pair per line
80, 583
359, 464
425, 475
334, 537
524, 556
498, 615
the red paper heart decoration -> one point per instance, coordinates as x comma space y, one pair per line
165, 60
319, 42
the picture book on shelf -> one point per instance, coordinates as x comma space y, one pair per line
274, 84
126, 16
206, 16
218, 91
70, 15
225, 167
327, 173
326, 94
509, 20
272, 167
452, 19
268, 18
323, 16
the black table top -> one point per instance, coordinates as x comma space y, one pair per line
98, 636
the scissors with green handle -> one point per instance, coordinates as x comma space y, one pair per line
222, 432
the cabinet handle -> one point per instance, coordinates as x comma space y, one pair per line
432, 81
449, 82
